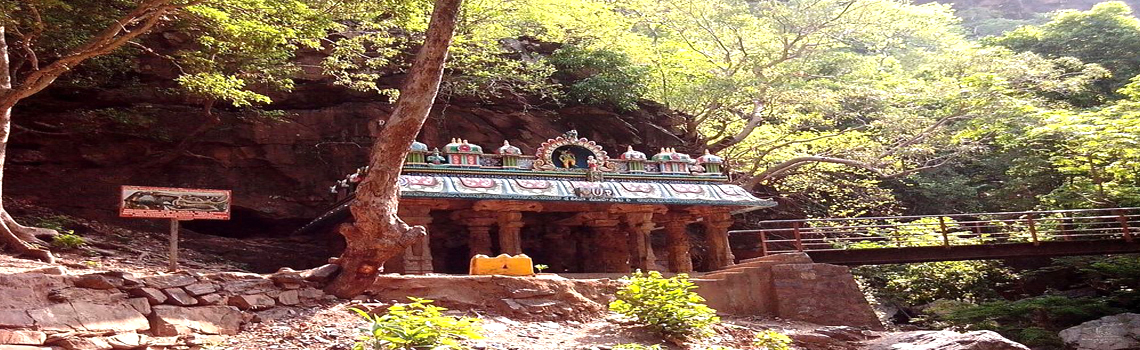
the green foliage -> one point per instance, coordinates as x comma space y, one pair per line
67, 240
922, 283
600, 76
1033, 321
772, 340
416, 325
666, 305
541, 267
54, 222
636, 346
1108, 35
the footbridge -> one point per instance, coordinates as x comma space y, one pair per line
974, 236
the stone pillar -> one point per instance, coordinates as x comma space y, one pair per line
641, 256
417, 257
612, 245
560, 248
510, 223
716, 236
678, 243
478, 231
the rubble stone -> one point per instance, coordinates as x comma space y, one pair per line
154, 296
251, 301
140, 304
21, 337
210, 299
322, 273
169, 281
179, 297
291, 297
201, 288
128, 341
78, 343
98, 281
176, 320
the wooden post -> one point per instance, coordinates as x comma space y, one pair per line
763, 243
1065, 222
1124, 226
1032, 229
945, 236
173, 245
799, 240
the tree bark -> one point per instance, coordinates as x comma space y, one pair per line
19, 238
377, 233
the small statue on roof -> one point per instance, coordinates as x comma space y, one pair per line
572, 134
568, 160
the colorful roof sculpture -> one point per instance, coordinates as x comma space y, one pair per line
671, 155
508, 149
462, 146
631, 154
418, 147
708, 158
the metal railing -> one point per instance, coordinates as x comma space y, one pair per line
781, 236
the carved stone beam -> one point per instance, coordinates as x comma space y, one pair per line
503, 205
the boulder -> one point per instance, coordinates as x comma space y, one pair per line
251, 301
1114, 332
179, 297
169, 281
153, 296
176, 320
944, 340
19, 337
249, 286
287, 278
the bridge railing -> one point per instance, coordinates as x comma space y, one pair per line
780, 236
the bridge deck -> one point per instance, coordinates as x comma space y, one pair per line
910, 239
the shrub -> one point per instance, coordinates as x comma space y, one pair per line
1033, 321
772, 340
416, 325
665, 305
67, 240
636, 346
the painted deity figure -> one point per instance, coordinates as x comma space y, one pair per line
568, 160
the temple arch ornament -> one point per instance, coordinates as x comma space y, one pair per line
569, 152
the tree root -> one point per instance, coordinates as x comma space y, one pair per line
24, 240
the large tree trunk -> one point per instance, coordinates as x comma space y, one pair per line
19, 238
377, 233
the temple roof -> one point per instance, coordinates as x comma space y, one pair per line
568, 190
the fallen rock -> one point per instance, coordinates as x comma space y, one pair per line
169, 281
128, 341
179, 297
321, 274
140, 304
291, 297
176, 320
287, 278
210, 299
100, 296
97, 281
1114, 332
153, 296
49, 270
25, 347
18, 337
251, 301
201, 288
312, 293
944, 340
844, 333
78, 343
249, 286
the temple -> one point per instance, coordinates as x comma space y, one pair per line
570, 206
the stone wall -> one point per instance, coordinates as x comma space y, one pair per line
117, 310
789, 286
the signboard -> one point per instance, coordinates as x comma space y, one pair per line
174, 203
595, 192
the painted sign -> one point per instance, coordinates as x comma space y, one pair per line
595, 192
174, 203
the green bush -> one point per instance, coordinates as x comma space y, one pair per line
636, 346
416, 325
67, 240
54, 222
772, 340
1033, 321
665, 305
922, 283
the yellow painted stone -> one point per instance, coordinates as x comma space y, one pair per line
518, 265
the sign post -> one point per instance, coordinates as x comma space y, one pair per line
176, 204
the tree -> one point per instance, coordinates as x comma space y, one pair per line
377, 232
1108, 35
239, 43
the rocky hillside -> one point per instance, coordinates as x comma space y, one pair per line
73, 147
